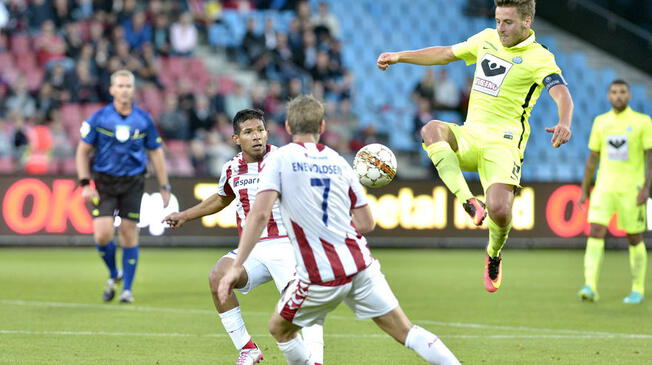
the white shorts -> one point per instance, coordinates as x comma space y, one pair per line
368, 295
269, 260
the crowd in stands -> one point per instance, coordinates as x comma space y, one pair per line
439, 98
56, 58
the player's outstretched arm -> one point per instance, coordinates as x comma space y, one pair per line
561, 133
158, 160
438, 55
256, 221
589, 171
363, 219
210, 205
83, 163
644, 193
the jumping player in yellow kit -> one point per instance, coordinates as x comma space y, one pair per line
511, 70
621, 140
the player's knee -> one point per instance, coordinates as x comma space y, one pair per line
278, 331
214, 278
433, 131
500, 213
598, 231
103, 237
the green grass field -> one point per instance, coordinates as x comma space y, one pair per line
51, 311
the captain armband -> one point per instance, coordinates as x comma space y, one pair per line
553, 80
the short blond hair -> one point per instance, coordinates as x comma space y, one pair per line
120, 73
524, 7
305, 114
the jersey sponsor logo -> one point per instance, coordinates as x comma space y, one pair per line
122, 132
85, 129
617, 147
239, 182
517, 60
490, 74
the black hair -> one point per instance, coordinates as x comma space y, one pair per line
619, 82
244, 115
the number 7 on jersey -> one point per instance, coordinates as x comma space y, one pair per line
326, 184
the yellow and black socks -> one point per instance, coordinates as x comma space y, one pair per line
592, 261
497, 237
638, 264
448, 167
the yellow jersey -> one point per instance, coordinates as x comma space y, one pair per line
507, 83
621, 139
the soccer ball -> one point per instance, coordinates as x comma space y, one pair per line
375, 165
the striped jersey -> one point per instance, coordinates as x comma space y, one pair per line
239, 180
318, 189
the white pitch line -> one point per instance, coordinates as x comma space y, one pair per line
332, 335
133, 308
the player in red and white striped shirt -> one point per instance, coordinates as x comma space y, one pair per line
273, 258
324, 210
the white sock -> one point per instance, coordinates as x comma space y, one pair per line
234, 325
429, 347
295, 351
313, 338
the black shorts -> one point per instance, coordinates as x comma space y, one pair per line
119, 195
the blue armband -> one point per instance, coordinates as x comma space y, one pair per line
553, 80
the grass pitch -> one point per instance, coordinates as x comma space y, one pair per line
51, 311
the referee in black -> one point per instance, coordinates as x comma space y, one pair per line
116, 142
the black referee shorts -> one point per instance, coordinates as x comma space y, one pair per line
119, 195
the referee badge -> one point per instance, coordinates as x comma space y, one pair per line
85, 129
122, 133
517, 60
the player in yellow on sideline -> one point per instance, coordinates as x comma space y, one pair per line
512, 69
621, 140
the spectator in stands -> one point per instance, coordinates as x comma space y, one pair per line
127, 11
423, 115
325, 22
6, 139
243, 6
86, 57
20, 100
186, 96
49, 46
39, 12
136, 31
20, 140
183, 36
425, 88
95, 33
253, 43
150, 66
216, 98
273, 103
46, 102
73, 39
127, 59
85, 9
201, 117
174, 123
307, 57
57, 78
303, 15
161, 35
218, 152
236, 101
447, 94
82, 85
62, 149
295, 35
321, 71
62, 14
270, 34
